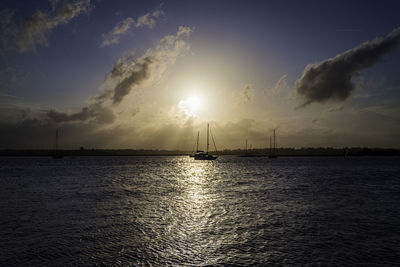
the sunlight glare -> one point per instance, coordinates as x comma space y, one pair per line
191, 105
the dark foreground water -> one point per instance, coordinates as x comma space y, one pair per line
177, 211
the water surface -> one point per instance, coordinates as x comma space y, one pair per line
177, 211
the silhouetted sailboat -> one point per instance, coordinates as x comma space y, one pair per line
197, 146
249, 154
56, 152
272, 147
204, 155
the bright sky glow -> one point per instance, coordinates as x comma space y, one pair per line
192, 105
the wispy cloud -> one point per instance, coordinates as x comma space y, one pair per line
280, 85
121, 28
336, 108
332, 79
148, 20
127, 74
246, 94
34, 29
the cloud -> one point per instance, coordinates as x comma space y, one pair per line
246, 94
332, 79
127, 74
148, 20
96, 112
280, 85
137, 76
34, 29
121, 28
336, 108
121, 65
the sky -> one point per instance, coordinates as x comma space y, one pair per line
151, 74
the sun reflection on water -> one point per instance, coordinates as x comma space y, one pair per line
194, 203
195, 190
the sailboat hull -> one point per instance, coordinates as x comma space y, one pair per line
205, 157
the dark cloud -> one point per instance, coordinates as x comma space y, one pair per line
332, 79
34, 29
96, 112
140, 72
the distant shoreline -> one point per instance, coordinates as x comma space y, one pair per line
301, 152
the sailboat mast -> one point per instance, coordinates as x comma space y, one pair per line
246, 145
197, 144
270, 144
56, 140
208, 140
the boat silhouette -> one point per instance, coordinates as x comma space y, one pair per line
201, 155
272, 147
197, 146
56, 152
248, 154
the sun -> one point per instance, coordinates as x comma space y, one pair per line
191, 105
194, 102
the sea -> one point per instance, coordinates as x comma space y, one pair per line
175, 211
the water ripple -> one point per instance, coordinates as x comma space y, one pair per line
144, 211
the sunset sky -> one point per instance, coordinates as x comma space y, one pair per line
150, 74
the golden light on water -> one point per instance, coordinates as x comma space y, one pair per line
192, 210
195, 180
197, 192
